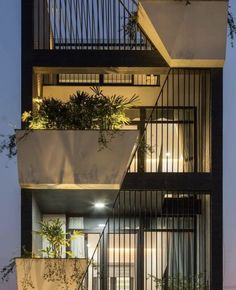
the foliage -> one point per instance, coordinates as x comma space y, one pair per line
232, 26
83, 111
52, 231
7, 270
55, 270
130, 27
8, 144
180, 282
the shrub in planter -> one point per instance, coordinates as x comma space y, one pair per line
82, 111
47, 269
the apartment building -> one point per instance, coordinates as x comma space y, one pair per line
150, 203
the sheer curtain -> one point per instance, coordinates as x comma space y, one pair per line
169, 251
166, 140
181, 257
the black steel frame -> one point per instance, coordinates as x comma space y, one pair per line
88, 24
100, 82
211, 182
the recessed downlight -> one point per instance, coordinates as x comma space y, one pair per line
99, 205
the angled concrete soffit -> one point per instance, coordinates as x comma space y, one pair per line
191, 35
73, 159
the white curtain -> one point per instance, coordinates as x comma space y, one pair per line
168, 252
181, 255
166, 142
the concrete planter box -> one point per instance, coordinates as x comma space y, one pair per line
48, 274
73, 159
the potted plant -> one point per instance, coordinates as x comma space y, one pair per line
83, 111
74, 144
47, 269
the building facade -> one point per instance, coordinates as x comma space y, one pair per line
150, 208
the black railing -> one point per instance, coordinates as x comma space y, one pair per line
175, 134
88, 24
153, 240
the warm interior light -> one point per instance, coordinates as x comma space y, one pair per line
99, 205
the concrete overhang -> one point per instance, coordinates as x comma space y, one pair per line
73, 159
191, 35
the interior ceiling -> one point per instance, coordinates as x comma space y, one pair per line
81, 202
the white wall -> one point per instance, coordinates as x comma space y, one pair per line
36, 219
230, 166
9, 114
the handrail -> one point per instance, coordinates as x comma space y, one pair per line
181, 91
114, 204
72, 24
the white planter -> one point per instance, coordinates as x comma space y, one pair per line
50, 274
73, 159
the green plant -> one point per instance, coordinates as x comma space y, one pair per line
83, 111
130, 26
55, 267
52, 231
180, 282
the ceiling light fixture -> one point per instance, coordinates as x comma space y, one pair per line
99, 205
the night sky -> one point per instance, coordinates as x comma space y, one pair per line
10, 118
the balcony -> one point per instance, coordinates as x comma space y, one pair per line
173, 117
89, 25
70, 159
153, 240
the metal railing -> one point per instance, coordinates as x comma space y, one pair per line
88, 24
160, 239
153, 240
175, 134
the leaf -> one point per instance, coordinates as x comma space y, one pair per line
25, 116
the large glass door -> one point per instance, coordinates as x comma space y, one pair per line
122, 261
